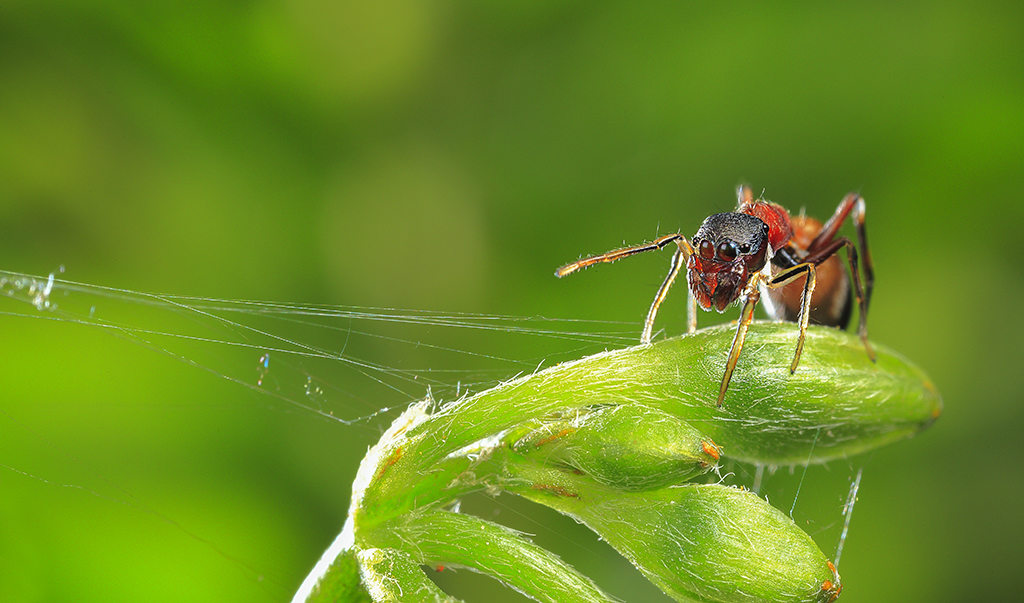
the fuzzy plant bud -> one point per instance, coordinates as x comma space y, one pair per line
630, 447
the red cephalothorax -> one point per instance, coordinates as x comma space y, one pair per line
728, 261
780, 229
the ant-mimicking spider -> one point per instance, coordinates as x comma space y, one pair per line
760, 250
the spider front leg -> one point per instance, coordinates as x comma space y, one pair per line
679, 259
618, 254
746, 316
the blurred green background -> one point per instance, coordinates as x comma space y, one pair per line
448, 156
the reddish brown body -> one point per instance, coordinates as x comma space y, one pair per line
832, 301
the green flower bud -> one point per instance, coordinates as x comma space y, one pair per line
705, 542
631, 447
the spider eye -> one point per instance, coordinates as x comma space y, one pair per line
727, 251
744, 248
706, 249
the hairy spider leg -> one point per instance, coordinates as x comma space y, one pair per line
819, 256
679, 259
784, 278
807, 268
854, 203
691, 312
618, 254
746, 316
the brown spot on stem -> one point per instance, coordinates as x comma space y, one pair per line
395, 455
556, 490
555, 436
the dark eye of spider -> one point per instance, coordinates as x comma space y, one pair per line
727, 251
706, 249
744, 248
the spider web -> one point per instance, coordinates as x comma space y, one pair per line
329, 372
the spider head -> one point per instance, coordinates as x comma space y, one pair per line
727, 249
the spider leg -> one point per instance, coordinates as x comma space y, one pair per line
851, 203
679, 259
691, 313
618, 254
784, 278
746, 316
863, 294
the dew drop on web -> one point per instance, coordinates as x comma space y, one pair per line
36, 290
40, 293
263, 368
314, 392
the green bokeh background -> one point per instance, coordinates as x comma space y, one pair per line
448, 155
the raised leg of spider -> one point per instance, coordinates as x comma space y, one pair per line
679, 259
852, 204
618, 254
